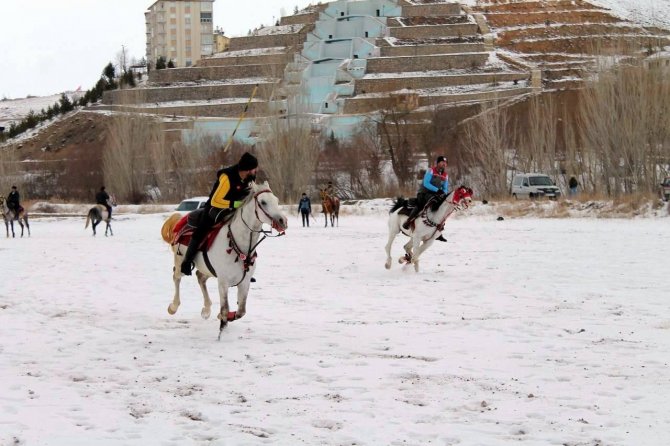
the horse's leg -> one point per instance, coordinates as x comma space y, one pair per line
7, 227
394, 228
207, 302
94, 223
21, 224
109, 227
25, 220
242, 293
11, 222
225, 308
418, 250
326, 217
176, 278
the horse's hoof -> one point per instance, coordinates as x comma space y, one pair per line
172, 309
205, 313
387, 265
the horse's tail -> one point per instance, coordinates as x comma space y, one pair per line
397, 204
167, 231
88, 218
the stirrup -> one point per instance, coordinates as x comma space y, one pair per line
441, 238
187, 268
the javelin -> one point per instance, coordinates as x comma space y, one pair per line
239, 121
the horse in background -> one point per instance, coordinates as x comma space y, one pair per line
331, 207
98, 213
427, 226
9, 215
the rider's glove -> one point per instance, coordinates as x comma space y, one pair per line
237, 204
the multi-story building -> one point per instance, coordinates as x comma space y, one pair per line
179, 30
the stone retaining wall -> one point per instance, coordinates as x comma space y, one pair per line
431, 10
273, 40
172, 75
261, 59
367, 105
426, 31
168, 94
417, 50
297, 19
381, 85
426, 63
205, 110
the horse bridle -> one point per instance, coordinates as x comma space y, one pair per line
249, 257
256, 207
440, 226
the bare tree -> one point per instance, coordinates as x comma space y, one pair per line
394, 127
126, 159
624, 118
487, 140
289, 152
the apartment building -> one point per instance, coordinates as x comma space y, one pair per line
179, 30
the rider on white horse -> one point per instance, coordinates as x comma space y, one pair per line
230, 188
435, 182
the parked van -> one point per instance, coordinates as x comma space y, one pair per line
534, 185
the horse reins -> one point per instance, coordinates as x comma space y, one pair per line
439, 226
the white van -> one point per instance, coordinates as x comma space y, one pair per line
534, 185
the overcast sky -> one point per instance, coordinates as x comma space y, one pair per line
48, 46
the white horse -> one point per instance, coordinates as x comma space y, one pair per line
99, 213
9, 215
428, 225
232, 256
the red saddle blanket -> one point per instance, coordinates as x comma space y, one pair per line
183, 232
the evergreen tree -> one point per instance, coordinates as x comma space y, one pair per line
170, 64
56, 109
50, 112
160, 63
65, 104
109, 72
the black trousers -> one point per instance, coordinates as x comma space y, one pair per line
208, 218
305, 218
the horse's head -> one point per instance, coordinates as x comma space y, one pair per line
266, 206
462, 197
323, 194
112, 200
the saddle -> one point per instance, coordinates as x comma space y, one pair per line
407, 207
185, 227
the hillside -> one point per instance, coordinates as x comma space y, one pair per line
452, 60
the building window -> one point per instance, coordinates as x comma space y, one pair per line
207, 39
189, 62
206, 49
205, 17
187, 20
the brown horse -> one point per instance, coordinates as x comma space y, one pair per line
331, 207
9, 215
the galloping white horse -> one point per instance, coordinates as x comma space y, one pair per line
99, 213
428, 225
232, 256
9, 216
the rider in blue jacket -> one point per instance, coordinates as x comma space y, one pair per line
435, 182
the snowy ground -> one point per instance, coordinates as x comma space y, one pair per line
538, 331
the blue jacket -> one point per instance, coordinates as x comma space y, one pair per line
305, 205
434, 180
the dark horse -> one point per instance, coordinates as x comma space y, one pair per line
99, 213
331, 207
9, 215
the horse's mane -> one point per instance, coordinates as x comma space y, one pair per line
437, 202
397, 204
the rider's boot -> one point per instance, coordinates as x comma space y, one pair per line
187, 261
441, 238
412, 216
